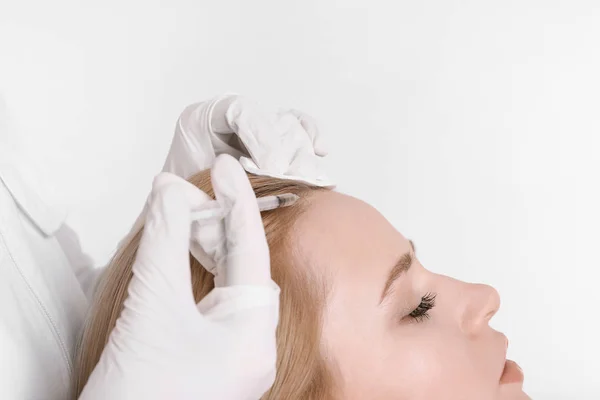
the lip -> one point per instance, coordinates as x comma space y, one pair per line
512, 373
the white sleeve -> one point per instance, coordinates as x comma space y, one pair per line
81, 263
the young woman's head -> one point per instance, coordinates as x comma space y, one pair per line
391, 328
360, 317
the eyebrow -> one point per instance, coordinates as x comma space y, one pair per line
400, 267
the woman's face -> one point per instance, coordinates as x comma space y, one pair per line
393, 329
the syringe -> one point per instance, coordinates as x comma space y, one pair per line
213, 211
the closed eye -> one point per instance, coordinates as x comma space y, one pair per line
422, 311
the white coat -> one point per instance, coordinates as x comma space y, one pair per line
42, 304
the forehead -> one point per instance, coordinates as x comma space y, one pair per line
348, 240
353, 247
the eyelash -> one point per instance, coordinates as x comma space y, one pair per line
422, 311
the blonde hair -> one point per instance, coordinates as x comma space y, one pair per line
301, 370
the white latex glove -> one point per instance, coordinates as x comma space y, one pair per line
164, 346
281, 143
277, 142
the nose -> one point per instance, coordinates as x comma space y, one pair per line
481, 303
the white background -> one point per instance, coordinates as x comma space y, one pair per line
472, 125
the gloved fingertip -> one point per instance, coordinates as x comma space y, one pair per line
163, 179
168, 185
310, 126
308, 123
228, 176
319, 146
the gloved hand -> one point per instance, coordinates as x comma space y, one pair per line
285, 142
164, 346
277, 142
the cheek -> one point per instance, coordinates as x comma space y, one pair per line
417, 362
426, 364
396, 366
416, 367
